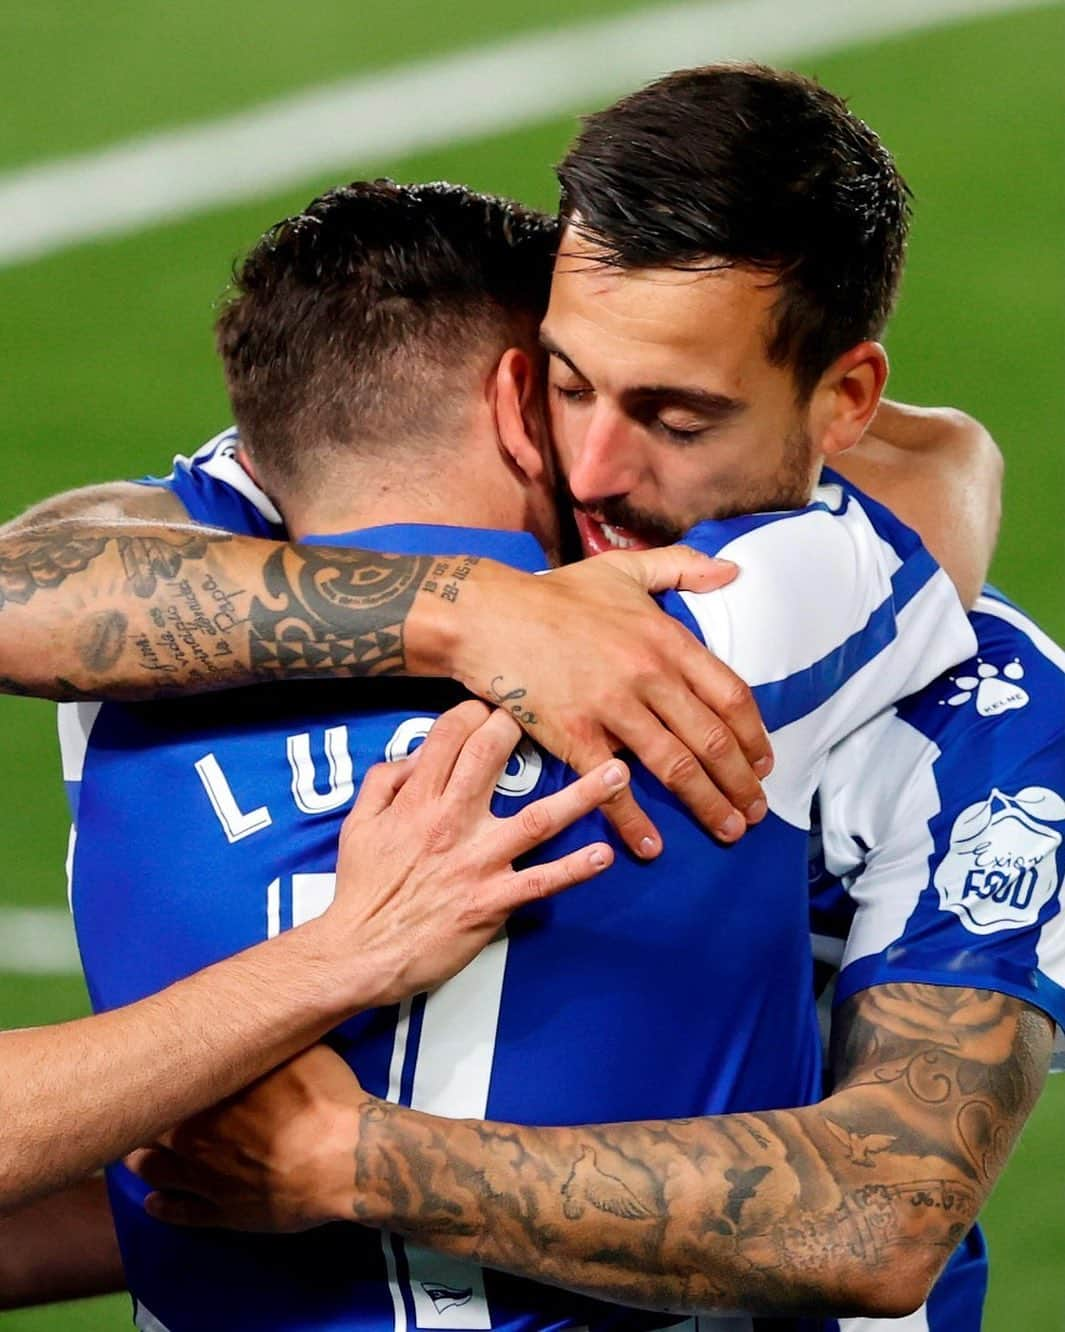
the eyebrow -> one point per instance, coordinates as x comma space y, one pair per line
718, 407
553, 349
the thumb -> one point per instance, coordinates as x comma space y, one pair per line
674, 567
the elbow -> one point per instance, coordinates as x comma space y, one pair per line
901, 1287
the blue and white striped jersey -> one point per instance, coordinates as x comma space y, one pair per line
682, 988
940, 860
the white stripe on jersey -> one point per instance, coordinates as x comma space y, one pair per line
1050, 950
146, 1321
452, 1073
807, 583
75, 722
886, 760
915, 1322
829, 570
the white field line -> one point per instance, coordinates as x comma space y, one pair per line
376, 118
37, 941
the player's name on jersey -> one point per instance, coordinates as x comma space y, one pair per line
323, 774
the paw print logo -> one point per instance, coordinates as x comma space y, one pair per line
995, 690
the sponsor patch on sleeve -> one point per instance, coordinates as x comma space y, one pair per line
1002, 868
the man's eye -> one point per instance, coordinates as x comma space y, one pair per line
682, 434
570, 394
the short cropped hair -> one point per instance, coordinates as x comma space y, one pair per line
354, 323
745, 166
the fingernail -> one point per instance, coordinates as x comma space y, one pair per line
763, 766
648, 847
756, 811
615, 775
732, 827
598, 859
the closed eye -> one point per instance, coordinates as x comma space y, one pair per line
572, 394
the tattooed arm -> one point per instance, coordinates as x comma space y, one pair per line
105, 593
847, 1207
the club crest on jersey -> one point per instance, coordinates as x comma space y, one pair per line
995, 689
1001, 868
446, 1297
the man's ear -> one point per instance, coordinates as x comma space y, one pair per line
847, 397
517, 400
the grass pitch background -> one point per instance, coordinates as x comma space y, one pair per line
107, 369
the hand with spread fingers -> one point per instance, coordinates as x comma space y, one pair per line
425, 875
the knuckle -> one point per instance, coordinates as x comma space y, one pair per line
680, 769
535, 822
718, 744
536, 885
439, 832
736, 696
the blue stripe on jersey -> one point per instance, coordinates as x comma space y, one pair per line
784, 701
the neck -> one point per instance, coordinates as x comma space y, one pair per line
483, 497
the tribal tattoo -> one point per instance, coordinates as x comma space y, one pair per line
852, 1205
340, 609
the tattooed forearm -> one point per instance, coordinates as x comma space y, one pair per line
114, 609
846, 1207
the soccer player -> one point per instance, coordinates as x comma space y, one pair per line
257, 816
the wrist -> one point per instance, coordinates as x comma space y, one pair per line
451, 619
340, 978
371, 1204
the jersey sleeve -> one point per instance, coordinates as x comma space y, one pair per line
945, 820
838, 611
217, 491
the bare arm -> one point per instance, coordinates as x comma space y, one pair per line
424, 882
849, 1206
940, 472
93, 604
34, 1268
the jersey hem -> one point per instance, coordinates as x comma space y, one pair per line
1037, 989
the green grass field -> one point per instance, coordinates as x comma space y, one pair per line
108, 368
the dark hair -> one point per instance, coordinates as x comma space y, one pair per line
352, 323
741, 165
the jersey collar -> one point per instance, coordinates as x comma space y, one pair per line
520, 550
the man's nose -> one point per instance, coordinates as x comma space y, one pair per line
605, 464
